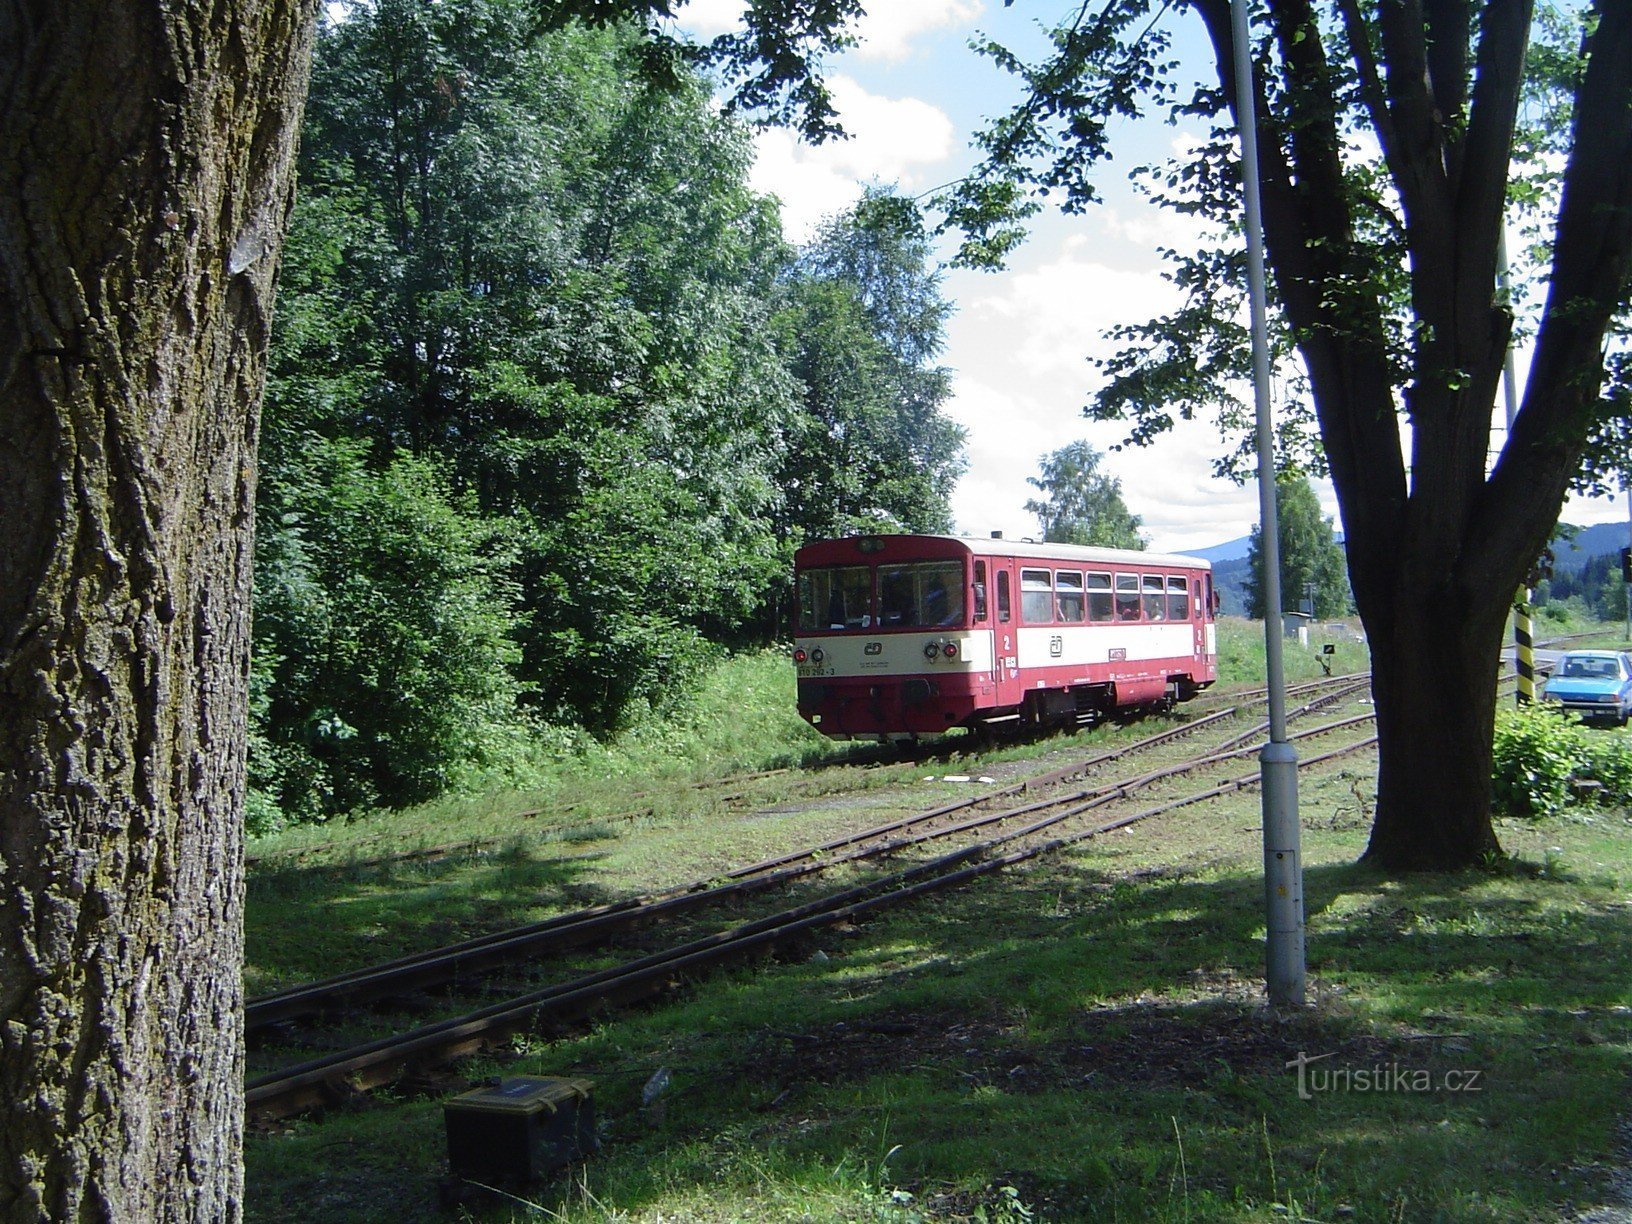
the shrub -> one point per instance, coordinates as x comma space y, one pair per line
1540, 753
382, 611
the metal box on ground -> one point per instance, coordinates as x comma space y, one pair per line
519, 1129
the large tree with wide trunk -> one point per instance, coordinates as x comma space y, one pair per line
146, 174
1388, 131
147, 156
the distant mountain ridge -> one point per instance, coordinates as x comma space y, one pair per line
1589, 542
1230, 558
1230, 550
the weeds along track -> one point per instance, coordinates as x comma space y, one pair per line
300, 853
599, 924
1040, 827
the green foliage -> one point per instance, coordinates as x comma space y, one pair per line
870, 447
1594, 589
531, 307
382, 665
1082, 505
1540, 754
1311, 557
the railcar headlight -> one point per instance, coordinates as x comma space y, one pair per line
931, 650
950, 650
799, 655
817, 655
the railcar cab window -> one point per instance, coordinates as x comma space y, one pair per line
1068, 595
1178, 599
1099, 597
840, 598
1127, 597
924, 595
980, 590
1036, 597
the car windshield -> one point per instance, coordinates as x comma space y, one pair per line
1588, 667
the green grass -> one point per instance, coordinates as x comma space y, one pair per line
1065, 1031
1085, 1040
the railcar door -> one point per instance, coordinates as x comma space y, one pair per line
1005, 635
1205, 603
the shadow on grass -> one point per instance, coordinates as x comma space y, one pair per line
307, 921
1099, 1042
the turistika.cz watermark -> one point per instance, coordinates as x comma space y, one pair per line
1316, 1075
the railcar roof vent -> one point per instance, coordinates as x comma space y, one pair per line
997, 535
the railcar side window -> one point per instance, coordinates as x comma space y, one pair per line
980, 590
1178, 598
1127, 597
1036, 597
835, 599
1068, 595
1003, 612
1155, 605
923, 595
1099, 597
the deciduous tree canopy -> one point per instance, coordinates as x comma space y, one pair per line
1388, 136
532, 307
1311, 558
1081, 504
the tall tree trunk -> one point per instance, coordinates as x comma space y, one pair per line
1435, 554
1434, 684
146, 152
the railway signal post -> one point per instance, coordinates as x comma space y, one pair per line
1283, 859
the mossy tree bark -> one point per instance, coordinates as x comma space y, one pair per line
146, 172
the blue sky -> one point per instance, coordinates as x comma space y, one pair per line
1019, 344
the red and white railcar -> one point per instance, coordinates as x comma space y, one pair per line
907, 635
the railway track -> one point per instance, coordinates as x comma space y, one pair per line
598, 924
1036, 830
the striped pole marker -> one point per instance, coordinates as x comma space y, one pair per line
1526, 653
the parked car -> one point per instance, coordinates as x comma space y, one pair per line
1596, 684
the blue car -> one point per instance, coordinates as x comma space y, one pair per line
1596, 684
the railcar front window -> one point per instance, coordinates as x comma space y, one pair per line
924, 595
1036, 597
837, 599
1099, 597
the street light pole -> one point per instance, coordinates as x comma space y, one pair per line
1278, 763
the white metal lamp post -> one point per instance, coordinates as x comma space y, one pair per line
1278, 763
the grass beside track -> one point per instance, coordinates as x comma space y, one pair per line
1082, 1040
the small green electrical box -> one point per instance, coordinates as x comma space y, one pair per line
519, 1129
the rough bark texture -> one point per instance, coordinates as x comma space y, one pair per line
146, 171
1437, 550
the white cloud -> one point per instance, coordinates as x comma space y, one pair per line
1049, 320
708, 18
1022, 343
887, 31
891, 140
